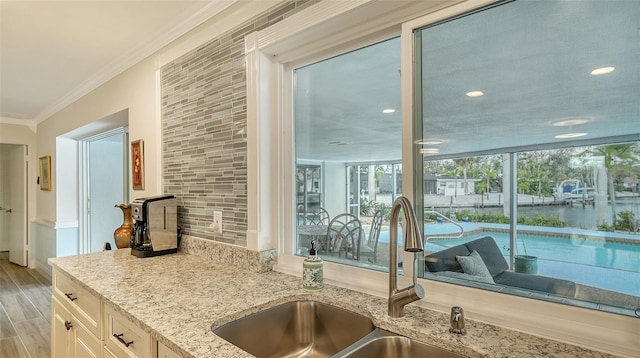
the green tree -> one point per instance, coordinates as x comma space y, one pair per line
464, 164
489, 170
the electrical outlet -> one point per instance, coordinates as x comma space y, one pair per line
217, 222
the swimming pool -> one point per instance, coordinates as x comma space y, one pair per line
589, 260
584, 251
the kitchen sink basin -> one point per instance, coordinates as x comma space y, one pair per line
296, 329
383, 344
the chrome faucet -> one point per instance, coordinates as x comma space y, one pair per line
412, 243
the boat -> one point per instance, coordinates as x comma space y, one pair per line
573, 190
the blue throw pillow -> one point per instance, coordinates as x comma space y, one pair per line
473, 265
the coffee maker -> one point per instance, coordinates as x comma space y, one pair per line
155, 228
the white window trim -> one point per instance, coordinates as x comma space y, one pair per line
330, 27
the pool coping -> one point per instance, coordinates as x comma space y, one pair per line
569, 233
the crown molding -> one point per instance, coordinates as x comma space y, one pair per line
121, 64
20, 122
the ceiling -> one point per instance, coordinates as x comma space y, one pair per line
532, 63
531, 59
53, 52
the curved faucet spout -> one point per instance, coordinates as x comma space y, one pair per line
412, 241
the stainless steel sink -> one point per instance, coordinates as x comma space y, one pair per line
296, 329
383, 344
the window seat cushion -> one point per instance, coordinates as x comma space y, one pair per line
497, 265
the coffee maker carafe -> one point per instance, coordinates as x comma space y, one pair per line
155, 226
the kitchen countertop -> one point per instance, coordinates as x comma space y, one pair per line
178, 297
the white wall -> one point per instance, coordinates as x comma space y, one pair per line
65, 182
335, 188
135, 91
138, 91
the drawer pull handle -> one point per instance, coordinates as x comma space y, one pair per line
119, 336
70, 296
67, 325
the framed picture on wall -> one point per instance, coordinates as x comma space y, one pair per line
137, 164
45, 173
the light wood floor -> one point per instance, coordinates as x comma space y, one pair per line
25, 311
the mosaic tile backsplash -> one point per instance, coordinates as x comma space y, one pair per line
204, 126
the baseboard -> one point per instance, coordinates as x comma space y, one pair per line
43, 271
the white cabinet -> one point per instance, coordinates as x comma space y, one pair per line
123, 338
76, 320
83, 326
61, 323
165, 352
69, 337
81, 303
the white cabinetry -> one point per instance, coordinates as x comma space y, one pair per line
83, 326
165, 352
123, 338
76, 329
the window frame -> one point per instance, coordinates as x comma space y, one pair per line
271, 167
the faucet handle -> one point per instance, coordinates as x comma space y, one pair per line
457, 321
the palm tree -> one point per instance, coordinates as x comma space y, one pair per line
614, 155
489, 172
464, 163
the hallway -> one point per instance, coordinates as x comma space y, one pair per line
25, 311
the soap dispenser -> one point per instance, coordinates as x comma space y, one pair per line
312, 270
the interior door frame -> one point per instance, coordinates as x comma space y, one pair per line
19, 250
84, 189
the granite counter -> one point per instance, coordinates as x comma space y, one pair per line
177, 298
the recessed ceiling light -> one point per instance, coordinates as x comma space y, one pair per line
570, 122
602, 71
570, 135
429, 150
475, 94
429, 142
388, 110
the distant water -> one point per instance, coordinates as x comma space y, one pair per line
575, 216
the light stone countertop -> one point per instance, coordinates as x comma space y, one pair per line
178, 297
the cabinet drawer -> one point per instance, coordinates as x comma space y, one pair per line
85, 344
165, 352
82, 304
123, 338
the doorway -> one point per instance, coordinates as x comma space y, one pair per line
103, 172
13, 202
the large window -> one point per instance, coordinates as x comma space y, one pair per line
348, 153
530, 143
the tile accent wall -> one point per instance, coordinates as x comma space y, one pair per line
204, 126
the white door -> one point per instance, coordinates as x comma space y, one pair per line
18, 244
103, 182
5, 191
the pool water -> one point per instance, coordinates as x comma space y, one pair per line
590, 261
594, 262
594, 252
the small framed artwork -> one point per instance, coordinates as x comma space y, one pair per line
45, 173
137, 164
